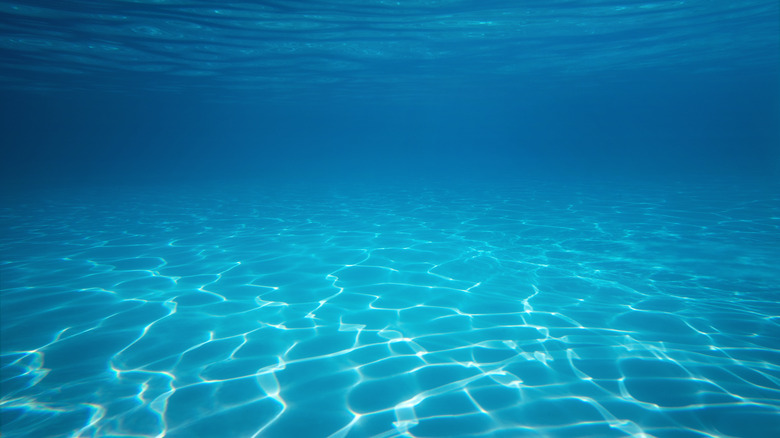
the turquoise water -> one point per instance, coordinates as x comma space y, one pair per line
326, 49
371, 218
534, 310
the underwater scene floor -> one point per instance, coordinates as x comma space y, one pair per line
534, 310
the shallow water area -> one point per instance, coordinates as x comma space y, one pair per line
534, 309
406, 218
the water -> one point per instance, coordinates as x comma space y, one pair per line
384, 219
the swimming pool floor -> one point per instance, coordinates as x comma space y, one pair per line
483, 311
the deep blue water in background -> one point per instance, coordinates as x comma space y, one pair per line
390, 218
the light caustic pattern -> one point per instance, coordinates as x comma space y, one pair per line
538, 312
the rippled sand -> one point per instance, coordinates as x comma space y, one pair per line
539, 311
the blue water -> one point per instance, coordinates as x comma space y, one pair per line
347, 219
